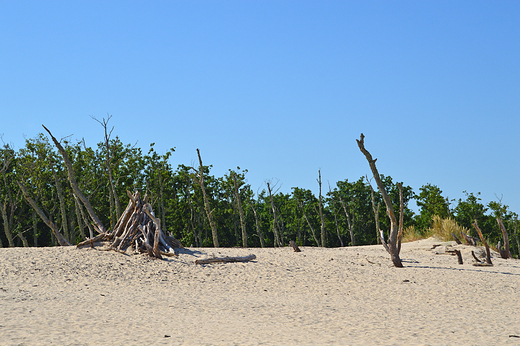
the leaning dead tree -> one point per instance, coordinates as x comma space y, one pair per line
392, 246
199, 179
74, 185
138, 229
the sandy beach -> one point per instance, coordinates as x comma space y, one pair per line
340, 296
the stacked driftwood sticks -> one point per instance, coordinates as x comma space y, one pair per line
139, 229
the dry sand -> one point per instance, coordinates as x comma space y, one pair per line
341, 296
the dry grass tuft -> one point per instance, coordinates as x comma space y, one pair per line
412, 234
441, 229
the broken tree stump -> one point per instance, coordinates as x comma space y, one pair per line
294, 246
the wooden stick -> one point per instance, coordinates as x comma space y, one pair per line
459, 256
225, 259
475, 257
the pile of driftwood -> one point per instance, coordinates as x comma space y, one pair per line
139, 229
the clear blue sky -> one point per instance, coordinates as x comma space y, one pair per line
281, 88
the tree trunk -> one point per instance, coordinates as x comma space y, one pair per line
310, 226
394, 228
376, 210
349, 224
401, 217
7, 226
240, 212
505, 253
277, 238
63, 212
74, 185
200, 181
320, 205
488, 253
257, 223
61, 240
337, 226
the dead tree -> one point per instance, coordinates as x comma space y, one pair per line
199, 179
335, 212
394, 227
114, 200
277, 237
240, 210
401, 217
320, 206
488, 253
74, 185
504, 253
349, 223
257, 224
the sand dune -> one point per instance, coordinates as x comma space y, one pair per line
341, 296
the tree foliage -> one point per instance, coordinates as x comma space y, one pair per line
241, 217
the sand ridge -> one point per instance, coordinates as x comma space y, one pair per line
320, 296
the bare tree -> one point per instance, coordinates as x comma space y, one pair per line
392, 246
115, 206
277, 238
320, 206
199, 179
335, 212
240, 210
74, 185
257, 224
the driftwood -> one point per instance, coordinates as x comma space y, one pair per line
488, 253
459, 255
294, 246
475, 257
225, 259
138, 229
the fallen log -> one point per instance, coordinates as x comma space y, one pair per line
225, 259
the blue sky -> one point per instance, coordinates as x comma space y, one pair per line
280, 88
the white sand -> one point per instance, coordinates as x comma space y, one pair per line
341, 296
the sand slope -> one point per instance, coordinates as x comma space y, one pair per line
341, 296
